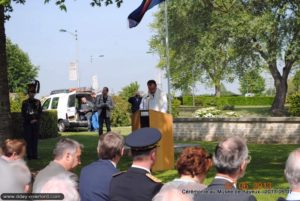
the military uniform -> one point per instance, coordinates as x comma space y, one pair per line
31, 112
137, 183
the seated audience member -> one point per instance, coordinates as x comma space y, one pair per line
66, 157
13, 153
86, 111
95, 178
171, 193
192, 166
62, 183
13, 149
138, 184
9, 181
230, 159
292, 175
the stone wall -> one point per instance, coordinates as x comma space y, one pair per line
284, 130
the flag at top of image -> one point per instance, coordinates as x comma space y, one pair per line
136, 16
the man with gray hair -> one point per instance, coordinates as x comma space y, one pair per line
292, 175
230, 159
63, 184
95, 178
66, 157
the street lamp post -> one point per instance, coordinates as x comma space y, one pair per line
75, 34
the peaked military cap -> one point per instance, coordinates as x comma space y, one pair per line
143, 139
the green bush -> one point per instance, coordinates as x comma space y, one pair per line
120, 115
175, 107
16, 100
294, 101
220, 102
48, 126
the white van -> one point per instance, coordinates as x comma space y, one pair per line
67, 104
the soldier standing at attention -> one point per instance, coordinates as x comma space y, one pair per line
31, 112
138, 184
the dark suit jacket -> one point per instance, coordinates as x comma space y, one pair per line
135, 103
221, 189
95, 180
133, 185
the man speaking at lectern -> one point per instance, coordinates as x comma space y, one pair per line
155, 99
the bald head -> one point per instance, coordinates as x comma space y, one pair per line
292, 169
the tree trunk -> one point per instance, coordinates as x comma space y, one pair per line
5, 118
217, 88
280, 97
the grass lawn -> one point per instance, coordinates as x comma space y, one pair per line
265, 169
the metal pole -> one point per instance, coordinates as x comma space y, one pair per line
168, 58
77, 58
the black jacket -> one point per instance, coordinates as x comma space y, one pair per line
134, 185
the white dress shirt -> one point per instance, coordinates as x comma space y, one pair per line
293, 196
157, 102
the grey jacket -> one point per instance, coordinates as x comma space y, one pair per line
221, 189
47, 173
109, 105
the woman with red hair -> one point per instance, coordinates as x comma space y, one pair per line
192, 165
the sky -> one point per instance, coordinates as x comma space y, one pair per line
101, 31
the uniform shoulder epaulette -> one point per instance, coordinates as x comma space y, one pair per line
153, 178
119, 173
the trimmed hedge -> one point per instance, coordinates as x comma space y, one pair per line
294, 101
227, 100
48, 126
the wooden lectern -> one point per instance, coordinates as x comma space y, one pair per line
164, 123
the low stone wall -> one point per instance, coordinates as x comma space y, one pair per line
284, 130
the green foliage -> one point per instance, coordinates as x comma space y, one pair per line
197, 51
252, 82
231, 36
48, 126
296, 81
175, 107
294, 101
221, 102
16, 100
20, 70
120, 115
129, 90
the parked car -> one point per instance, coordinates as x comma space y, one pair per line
67, 103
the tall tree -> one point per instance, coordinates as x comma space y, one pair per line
270, 29
252, 82
200, 48
5, 6
129, 90
20, 69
